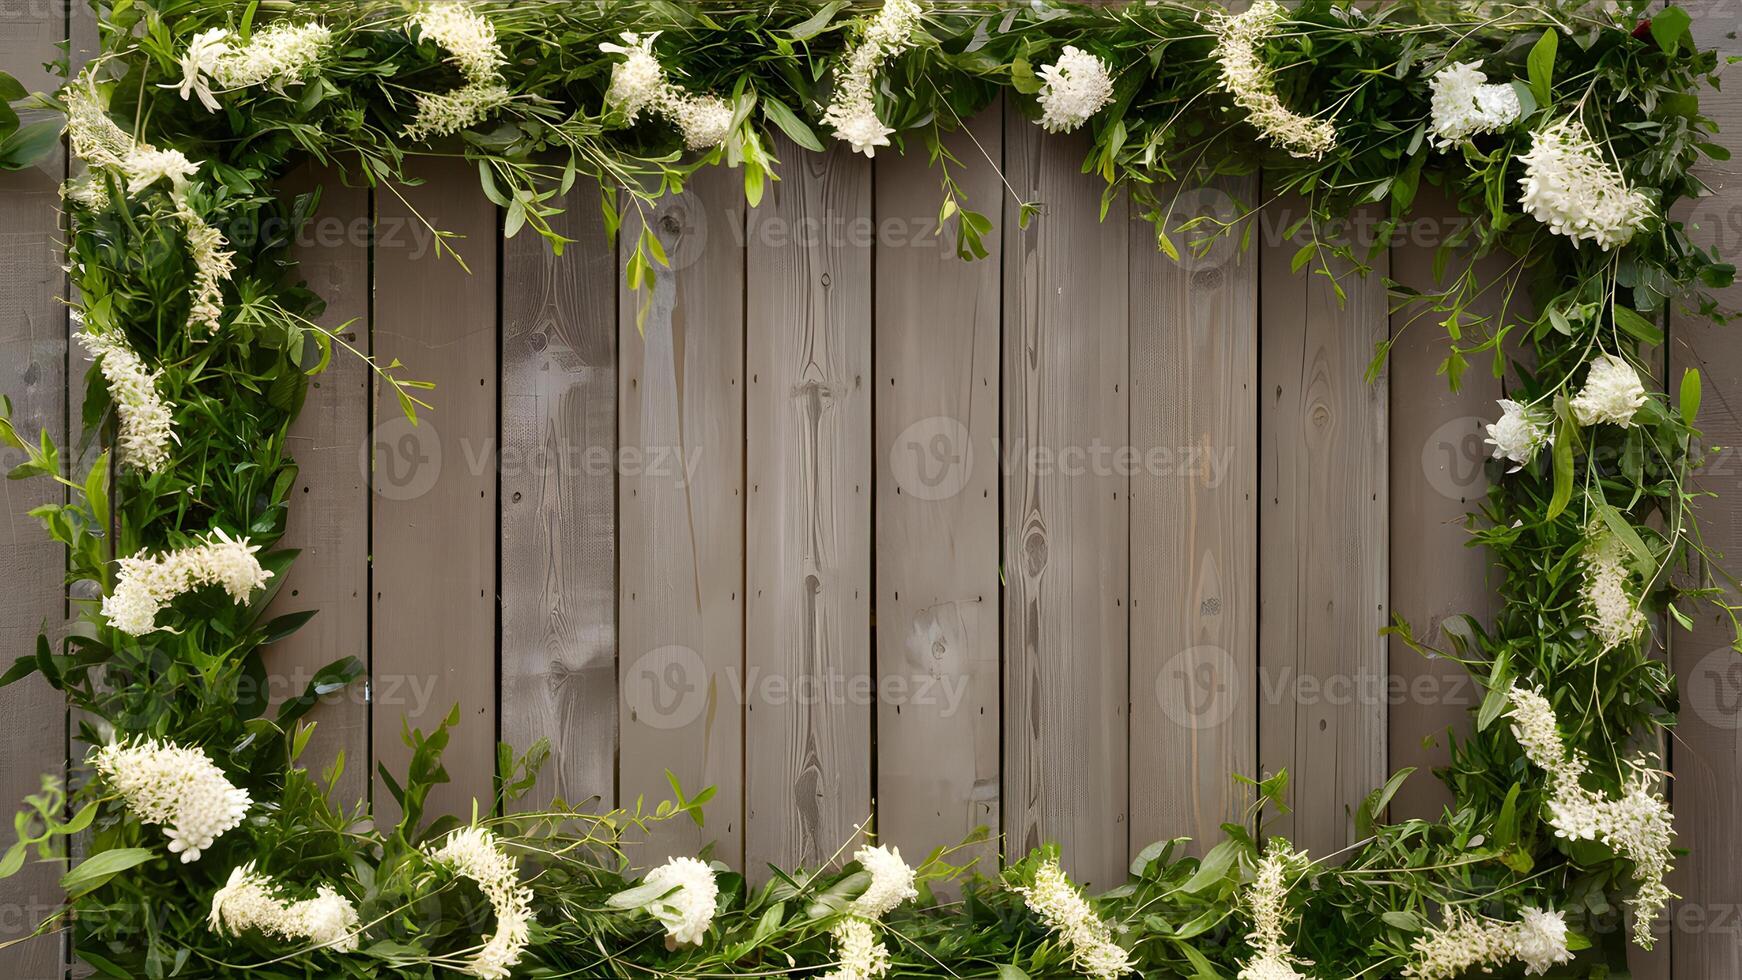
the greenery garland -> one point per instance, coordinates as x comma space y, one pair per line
1565, 132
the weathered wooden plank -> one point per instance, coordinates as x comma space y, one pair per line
434, 518
329, 513
1437, 476
33, 372
1194, 523
808, 520
681, 491
1066, 510
936, 390
559, 552
1324, 505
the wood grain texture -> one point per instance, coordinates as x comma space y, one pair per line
33, 373
434, 520
1437, 476
936, 388
1194, 525
329, 512
1323, 510
559, 528
808, 525
681, 492
1066, 512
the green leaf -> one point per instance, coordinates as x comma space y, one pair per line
1010, 971
1214, 869
1690, 396
818, 22
1407, 921
1022, 76
1566, 433
11, 89
29, 144
1638, 326
102, 866
789, 123
1541, 66
1669, 26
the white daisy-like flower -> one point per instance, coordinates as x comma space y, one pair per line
891, 881
1520, 434
176, 787
639, 84
1612, 393
475, 853
859, 954
688, 908
251, 900
1464, 104
145, 166
1085, 938
1072, 89
1274, 957
1572, 187
146, 425
1542, 940
147, 583
198, 62
277, 55
1248, 79
466, 35
852, 109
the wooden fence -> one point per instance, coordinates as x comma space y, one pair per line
1050, 542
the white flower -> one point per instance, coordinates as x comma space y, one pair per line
1464, 105
639, 84
1542, 940
852, 109
1570, 186
93, 136
275, 56
1274, 958
146, 429
212, 268
147, 583
1085, 938
446, 113
891, 881
1464, 943
688, 909
1611, 611
198, 61
175, 787
1612, 393
471, 39
1246, 76
251, 900
146, 165
857, 950
1072, 89
474, 853
705, 120
1519, 434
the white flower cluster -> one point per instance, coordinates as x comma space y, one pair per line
1538, 940
1072, 89
175, 787
860, 955
638, 84
146, 165
688, 909
1569, 186
852, 110
275, 56
1520, 434
1610, 609
1464, 104
471, 40
1268, 899
1247, 78
212, 268
96, 139
147, 583
1638, 826
146, 427
1085, 938
475, 854
251, 900
1612, 393
891, 881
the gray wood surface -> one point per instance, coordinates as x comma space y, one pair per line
1323, 511
559, 531
1194, 528
936, 388
681, 494
329, 508
1066, 511
808, 525
33, 373
434, 517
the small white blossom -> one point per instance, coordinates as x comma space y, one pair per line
446, 113
1520, 433
92, 135
474, 853
147, 583
1274, 957
639, 84
1465, 943
199, 61
176, 787
1612, 393
212, 268
145, 166
1542, 940
466, 35
1570, 186
277, 55
1085, 938
891, 881
852, 109
1072, 89
704, 120
1464, 105
146, 429
251, 900
1611, 611
688, 909
859, 953
1245, 75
